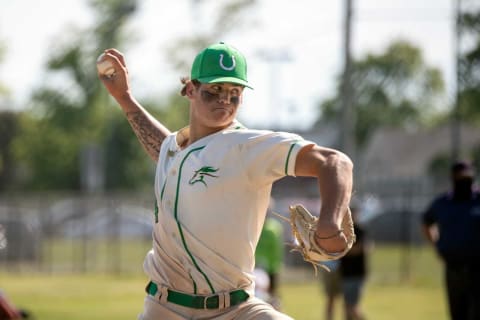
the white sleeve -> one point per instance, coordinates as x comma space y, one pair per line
270, 156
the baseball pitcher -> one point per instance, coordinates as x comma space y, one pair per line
212, 186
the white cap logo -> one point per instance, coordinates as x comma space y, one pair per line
227, 68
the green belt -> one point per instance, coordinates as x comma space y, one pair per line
197, 301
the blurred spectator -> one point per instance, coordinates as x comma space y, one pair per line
262, 284
8, 311
452, 224
347, 276
332, 287
269, 256
354, 271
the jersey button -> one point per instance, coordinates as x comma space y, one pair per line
173, 172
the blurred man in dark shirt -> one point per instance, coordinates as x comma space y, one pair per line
452, 224
354, 270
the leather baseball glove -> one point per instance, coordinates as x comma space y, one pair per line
303, 225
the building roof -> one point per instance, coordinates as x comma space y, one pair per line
395, 152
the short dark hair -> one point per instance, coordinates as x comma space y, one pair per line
186, 80
459, 166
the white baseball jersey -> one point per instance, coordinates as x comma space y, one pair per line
211, 199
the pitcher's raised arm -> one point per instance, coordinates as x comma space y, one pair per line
113, 73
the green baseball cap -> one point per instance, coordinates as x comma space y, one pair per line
220, 63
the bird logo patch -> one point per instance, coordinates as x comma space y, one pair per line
201, 174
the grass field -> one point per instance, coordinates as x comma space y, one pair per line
403, 285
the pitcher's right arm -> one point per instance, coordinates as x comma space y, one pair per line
149, 131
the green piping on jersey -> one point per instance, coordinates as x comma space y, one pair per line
163, 189
175, 213
156, 211
161, 199
288, 157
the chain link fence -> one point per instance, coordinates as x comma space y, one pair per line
111, 233
75, 233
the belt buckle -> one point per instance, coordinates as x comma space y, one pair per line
211, 304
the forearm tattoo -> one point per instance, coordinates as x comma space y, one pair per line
149, 135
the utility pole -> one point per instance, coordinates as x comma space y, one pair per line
456, 114
348, 118
275, 58
197, 16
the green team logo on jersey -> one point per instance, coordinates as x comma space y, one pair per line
200, 174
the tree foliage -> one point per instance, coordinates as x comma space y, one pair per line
230, 16
8, 131
468, 87
3, 88
469, 68
394, 88
70, 115
9, 124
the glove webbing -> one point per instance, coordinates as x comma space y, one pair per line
298, 248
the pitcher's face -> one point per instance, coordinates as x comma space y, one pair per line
216, 104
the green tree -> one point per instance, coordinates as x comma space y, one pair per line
65, 118
79, 112
8, 130
9, 124
468, 87
469, 68
394, 88
4, 92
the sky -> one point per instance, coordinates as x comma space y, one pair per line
294, 49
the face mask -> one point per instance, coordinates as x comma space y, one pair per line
462, 188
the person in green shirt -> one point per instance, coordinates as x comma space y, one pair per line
269, 255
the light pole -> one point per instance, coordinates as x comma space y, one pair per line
347, 130
456, 114
274, 58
